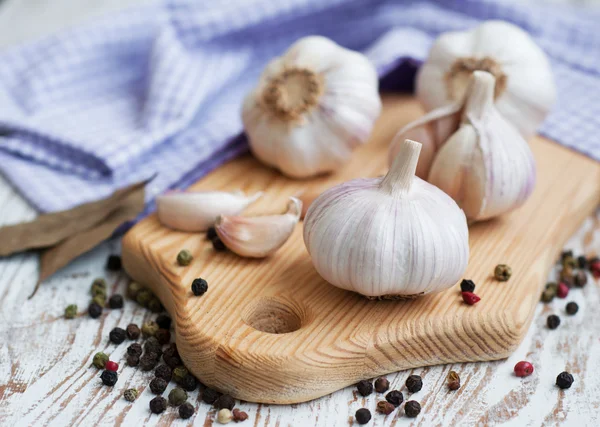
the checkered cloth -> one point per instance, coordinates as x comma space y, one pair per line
158, 89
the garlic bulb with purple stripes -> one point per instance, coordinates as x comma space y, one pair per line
312, 107
391, 237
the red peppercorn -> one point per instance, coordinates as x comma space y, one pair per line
563, 290
595, 269
470, 298
111, 366
523, 369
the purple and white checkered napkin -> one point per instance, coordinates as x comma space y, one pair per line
158, 89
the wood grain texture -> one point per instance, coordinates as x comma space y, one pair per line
340, 337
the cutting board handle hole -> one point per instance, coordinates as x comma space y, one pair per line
274, 315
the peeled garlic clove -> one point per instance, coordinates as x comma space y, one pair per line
259, 236
312, 107
525, 90
197, 211
486, 165
391, 236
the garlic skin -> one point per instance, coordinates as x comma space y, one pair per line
259, 236
396, 236
311, 108
197, 211
486, 165
525, 90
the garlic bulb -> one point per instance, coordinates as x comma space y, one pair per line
391, 236
311, 108
525, 90
197, 211
259, 236
486, 165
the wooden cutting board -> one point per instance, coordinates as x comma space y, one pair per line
328, 338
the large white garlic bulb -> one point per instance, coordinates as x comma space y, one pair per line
391, 236
525, 90
312, 107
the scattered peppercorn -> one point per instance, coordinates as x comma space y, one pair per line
210, 396
564, 380
582, 262
563, 290
179, 373
177, 396
164, 372
566, 254
580, 279
467, 286
365, 387
225, 401
239, 416
109, 378
553, 321
171, 351
412, 408
395, 397
149, 328
523, 369
502, 272
595, 268
173, 362
148, 361
158, 385
133, 331
184, 257
224, 416
113, 263
163, 321
199, 287
99, 299
94, 310
211, 233
100, 360
115, 301
143, 297
155, 306
453, 380
117, 335
548, 295
158, 405
163, 336
572, 308
130, 394
98, 286
135, 349
71, 311
189, 382
132, 289
133, 360
414, 383
382, 385
218, 245
111, 366
569, 261
566, 275
470, 298
385, 407
363, 416
186, 410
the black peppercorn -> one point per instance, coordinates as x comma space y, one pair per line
225, 401
564, 380
218, 245
572, 308
158, 385
382, 385
171, 351
414, 383
189, 382
582, 262
553, 321
210, 396
158, 405
163, 321
173, 362
155, 306
115, 301
94, 310
211, 233
199, 287
580, 279
395, 397
152, 345
365, 387
133, 331
109, 378
566, 254
113, 263
148, 361
133, 360
186, 410
135, 349
164, 372
467, 286
363, 416
163, 336
412, 408
117, 335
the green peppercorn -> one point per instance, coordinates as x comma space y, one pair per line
130, 394
553, 286
184, 257
98, 285
99, 299
149, 328
177, 396
71, 311
100, 360
132, 289
569, 261
179, 374
548, 295
502, 272
143, 297
155, 306
566, 275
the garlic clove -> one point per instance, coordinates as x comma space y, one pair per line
259, 236
197, 211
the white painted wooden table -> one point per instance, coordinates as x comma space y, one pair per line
46, 378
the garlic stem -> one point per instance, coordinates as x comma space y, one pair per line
480, 95
400, 176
